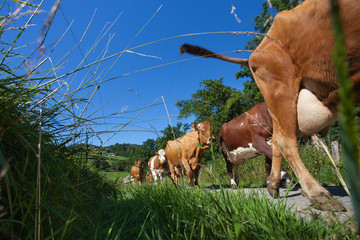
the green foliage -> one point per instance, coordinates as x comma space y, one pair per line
251, 173
124, 149
348, 122
319, 165
101, 164
207, 101
217, 100
144, 151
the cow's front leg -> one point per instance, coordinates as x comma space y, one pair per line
155, 174
273, 184
195, 168
236, 172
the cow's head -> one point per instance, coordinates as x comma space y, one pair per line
204, 133
138, 163
161, 154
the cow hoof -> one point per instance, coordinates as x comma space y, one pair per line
286, 183
273, 192
325, 202
234, 186
304, 194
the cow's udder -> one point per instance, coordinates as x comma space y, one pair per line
312, 114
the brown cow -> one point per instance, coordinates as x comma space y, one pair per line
186, 151
246, 137
294, 71
156, 165
137, 172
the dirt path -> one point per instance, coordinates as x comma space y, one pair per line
304, 207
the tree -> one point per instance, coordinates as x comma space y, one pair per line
144, 151
215, 100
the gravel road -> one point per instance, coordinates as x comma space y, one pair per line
304, 207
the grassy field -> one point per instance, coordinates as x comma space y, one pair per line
166, 212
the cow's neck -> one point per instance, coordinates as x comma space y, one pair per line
199, 144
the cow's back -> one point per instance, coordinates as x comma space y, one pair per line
239, 132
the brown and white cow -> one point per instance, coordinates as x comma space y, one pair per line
294, 71
187, 150
137, 172
156, 166
245, 137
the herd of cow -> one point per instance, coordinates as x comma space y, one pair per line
294, 70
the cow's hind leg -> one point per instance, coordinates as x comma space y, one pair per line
268, 169
173, 174
236, 172
229, 169
285, 144
262, 146
279, 83
230, 166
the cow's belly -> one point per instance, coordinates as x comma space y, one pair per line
312, 115
239, 155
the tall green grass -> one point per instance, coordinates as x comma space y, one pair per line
45, 191
165, 212
348, 122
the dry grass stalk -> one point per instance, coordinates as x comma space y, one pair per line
326, 149
37, 232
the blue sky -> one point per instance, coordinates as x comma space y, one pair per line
137, 23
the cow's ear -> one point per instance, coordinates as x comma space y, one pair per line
194, 127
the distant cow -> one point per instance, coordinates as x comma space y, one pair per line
294, 70
245, 137
137, 172
186, 151
156, 165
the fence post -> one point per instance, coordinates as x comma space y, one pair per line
335, 151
